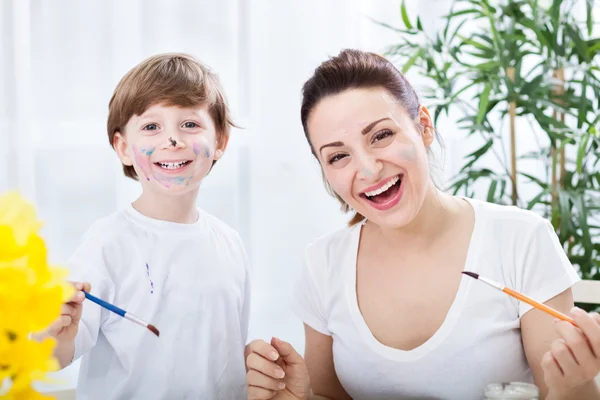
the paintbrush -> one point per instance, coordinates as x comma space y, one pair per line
522, 297
122, 313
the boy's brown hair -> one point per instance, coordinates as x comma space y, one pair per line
175, 79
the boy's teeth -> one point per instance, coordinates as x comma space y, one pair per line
382, 189
172, 165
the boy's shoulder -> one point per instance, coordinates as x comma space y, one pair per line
219, 228
106, 229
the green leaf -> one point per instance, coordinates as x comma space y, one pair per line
564, 214
581, 153
492, 191
405, 18
536, 199
411, 61
419, 25
589, 4
543, 185
483, 103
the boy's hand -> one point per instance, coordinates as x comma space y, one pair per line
275, 371
574, 360
66, 326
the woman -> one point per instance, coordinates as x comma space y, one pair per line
387, 312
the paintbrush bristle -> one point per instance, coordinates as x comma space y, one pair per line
471, 274
153, 329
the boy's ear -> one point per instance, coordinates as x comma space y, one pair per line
120, 146
221, 146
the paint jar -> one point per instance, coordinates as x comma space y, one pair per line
512, 391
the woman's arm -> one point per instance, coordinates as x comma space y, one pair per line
319, 360
541, 339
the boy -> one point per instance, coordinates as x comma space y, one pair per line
161, 258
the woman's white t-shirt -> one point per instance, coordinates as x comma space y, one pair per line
479, 341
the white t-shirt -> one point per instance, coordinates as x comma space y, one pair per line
479, 341
191, 281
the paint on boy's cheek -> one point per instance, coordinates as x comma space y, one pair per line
141, 157
200, 150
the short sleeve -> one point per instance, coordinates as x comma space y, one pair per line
543, 270
88, 264
308, 299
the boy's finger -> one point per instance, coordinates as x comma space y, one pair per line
68, 309
65, 320
261, 364
87, 287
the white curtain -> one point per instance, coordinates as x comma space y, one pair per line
60, 61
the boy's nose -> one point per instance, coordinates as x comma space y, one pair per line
173, 140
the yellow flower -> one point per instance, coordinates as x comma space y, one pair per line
26, 394
17, 223
31, 295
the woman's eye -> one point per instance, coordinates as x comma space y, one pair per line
150, 127
190, 125
382, 135
335, 157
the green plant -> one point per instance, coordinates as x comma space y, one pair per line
520, 61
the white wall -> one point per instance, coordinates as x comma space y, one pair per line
60, 63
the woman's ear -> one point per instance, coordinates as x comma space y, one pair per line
424, 120
120, 146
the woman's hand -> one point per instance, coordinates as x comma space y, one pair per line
275, 371
573, 362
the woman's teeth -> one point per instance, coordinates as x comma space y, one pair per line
172, 165
385, 187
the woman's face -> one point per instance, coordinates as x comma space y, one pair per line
372, 153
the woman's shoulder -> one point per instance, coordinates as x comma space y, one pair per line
509, 216
334, 244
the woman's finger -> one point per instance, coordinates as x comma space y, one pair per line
264, 349
563, 356
578, 344
260, 364
257, 393
590, 328
553, 375
258, 379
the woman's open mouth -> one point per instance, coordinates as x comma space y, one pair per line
387, 195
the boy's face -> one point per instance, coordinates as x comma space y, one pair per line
171, 148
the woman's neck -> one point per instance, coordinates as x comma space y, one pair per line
435, 215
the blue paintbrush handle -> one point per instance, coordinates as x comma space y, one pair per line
104, 304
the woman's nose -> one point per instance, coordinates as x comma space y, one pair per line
369, 167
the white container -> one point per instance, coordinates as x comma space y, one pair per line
511, 391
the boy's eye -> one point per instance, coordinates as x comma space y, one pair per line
150, 127
382, 135
190, 125
335, 157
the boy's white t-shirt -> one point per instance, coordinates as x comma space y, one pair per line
479, 341
191, 281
